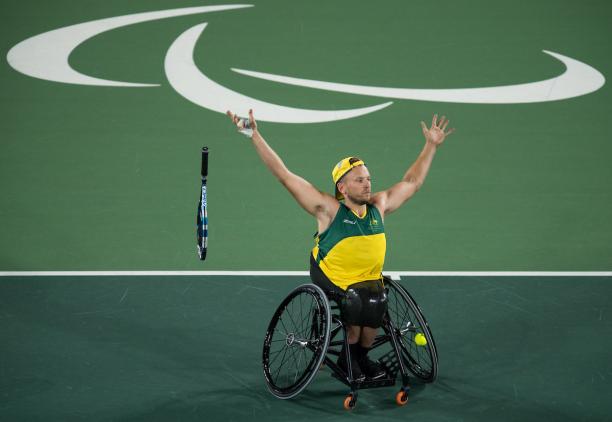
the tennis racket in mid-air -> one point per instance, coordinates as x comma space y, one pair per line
202, 216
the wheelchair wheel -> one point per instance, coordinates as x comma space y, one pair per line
415, 338
296, 341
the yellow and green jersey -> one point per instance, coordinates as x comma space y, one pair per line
352, 249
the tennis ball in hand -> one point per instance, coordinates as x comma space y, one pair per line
420, 339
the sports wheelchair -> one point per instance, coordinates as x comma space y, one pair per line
306, 333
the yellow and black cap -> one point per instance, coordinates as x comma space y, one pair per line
344, 166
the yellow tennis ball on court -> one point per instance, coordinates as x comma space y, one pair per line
420, 339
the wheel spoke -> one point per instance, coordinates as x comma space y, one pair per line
277, 353
283, 324
297, 367
282, 361
307, 325
295, 325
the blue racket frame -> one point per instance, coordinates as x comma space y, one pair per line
202, 215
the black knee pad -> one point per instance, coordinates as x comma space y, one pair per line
364, 304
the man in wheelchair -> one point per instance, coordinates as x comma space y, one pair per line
347, 259
362, 308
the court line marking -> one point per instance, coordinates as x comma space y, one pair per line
395, 275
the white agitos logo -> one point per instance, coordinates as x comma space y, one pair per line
45, 56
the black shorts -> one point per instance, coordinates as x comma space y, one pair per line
363, 303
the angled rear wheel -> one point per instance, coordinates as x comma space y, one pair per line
296, 341
416, 340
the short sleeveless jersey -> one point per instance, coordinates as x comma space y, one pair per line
352, 249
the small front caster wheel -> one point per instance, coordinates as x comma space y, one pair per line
349, 402
401, 398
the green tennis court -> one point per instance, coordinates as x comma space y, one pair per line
105, 109
189, 348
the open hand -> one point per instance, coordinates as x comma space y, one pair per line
437, 132
238, 120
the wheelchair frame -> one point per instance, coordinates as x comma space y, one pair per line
311, 343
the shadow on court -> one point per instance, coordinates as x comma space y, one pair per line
189, 348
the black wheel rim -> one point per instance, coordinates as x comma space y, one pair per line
296, 341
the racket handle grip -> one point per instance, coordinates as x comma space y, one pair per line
204, 161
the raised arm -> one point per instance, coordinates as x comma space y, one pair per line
392, 198
319, 204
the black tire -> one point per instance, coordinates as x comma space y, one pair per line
296, 341
407, 321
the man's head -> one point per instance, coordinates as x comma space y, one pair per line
352, 180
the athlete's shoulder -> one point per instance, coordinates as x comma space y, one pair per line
377, 207
332, 204
327, 212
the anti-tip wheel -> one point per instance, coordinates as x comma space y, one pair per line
350, 402
401, 398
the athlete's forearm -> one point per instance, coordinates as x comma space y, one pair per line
419, 169
270, 158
